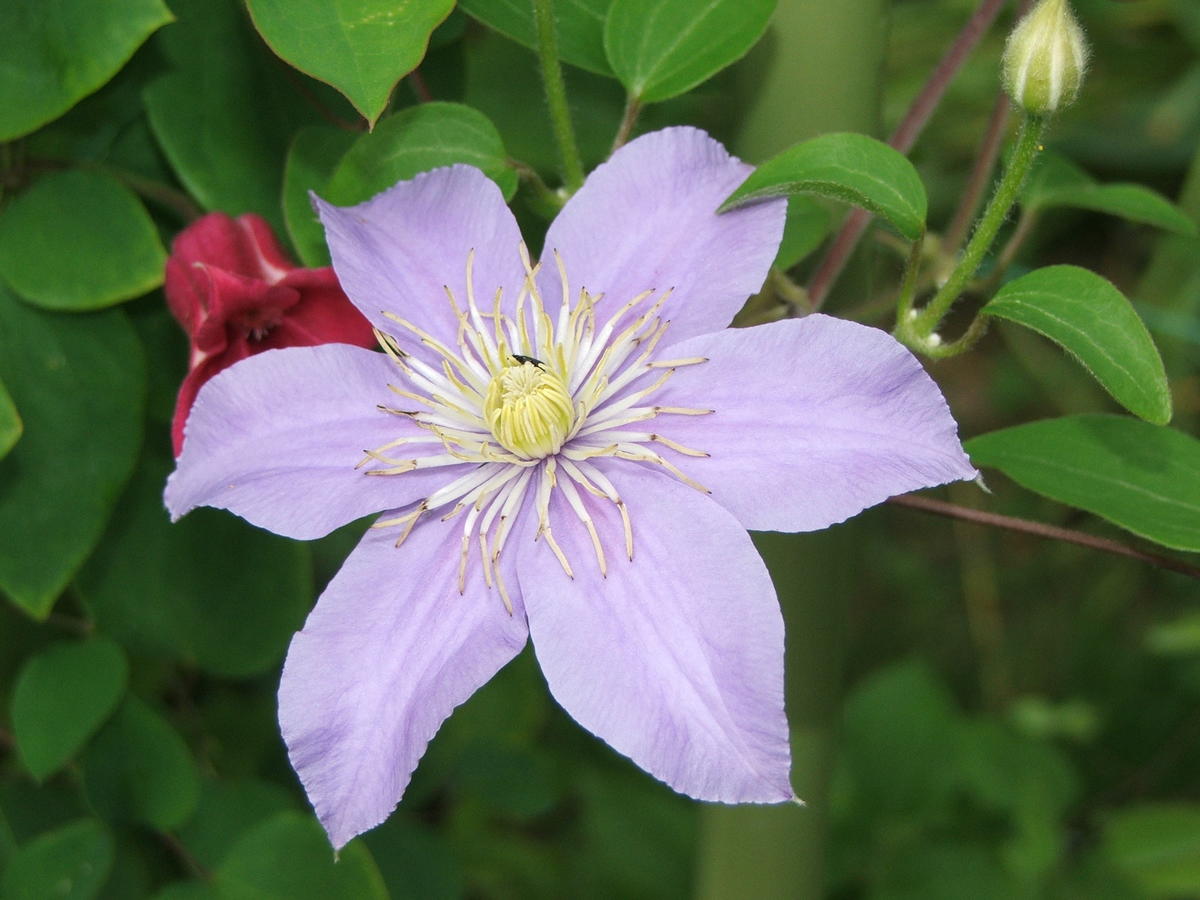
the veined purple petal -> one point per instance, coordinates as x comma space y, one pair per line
398, 251
390, 649
646, 219
276, 438
815, 420
676, 658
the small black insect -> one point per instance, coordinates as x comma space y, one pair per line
529, 359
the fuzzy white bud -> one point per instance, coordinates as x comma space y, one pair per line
1045, 58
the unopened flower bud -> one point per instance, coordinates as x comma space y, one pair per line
1045, 58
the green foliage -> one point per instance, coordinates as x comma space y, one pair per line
894, 723
71, 862
62, 696
662, 48
224, 127
10, 422
227, 809
139, 770
416, 140
1089, 318
1058, 182
311, 160
362, 50
66, 374
288, 857
852, 168
1138, 475
807, 225
580, 27
1179, 637
1158, 846
101, 248
208, 575
56, 55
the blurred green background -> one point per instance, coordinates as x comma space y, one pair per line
975, 714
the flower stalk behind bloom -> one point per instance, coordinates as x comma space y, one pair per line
1045, 59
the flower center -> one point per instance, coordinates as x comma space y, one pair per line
531, 428
528, 408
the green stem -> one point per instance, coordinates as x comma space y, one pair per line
556, 93
912, 269
546, 202
1029, 144
1020, 234
633, 108
155, 191
779, 852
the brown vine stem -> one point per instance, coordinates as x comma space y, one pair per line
1042, 530
419, 86
192, 865
902, 139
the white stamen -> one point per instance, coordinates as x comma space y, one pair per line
520, 404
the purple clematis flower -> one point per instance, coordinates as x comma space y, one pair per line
569, 451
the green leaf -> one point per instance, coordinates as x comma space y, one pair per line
1177, 637
288, 857
1143, 477
947, 869
62, 696
852, 168
360, 48
1028, 780
56, 54
1090, 319
1158, 846
80, 383
896, 722
225, 112
227, 596
71, 863
579, 25
228, 809
416, 859
416, 140
662, 48
1129, 201
1058, 182
806, 226
79, 241
314, 154
192, 890
11, 425
138, 769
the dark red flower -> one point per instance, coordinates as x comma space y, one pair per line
236, 293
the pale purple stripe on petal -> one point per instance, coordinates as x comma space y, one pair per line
399, 250
276, 438
389, 651
675, 659
646, 219
815, 420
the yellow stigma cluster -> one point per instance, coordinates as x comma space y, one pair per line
528, 409
533, 427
